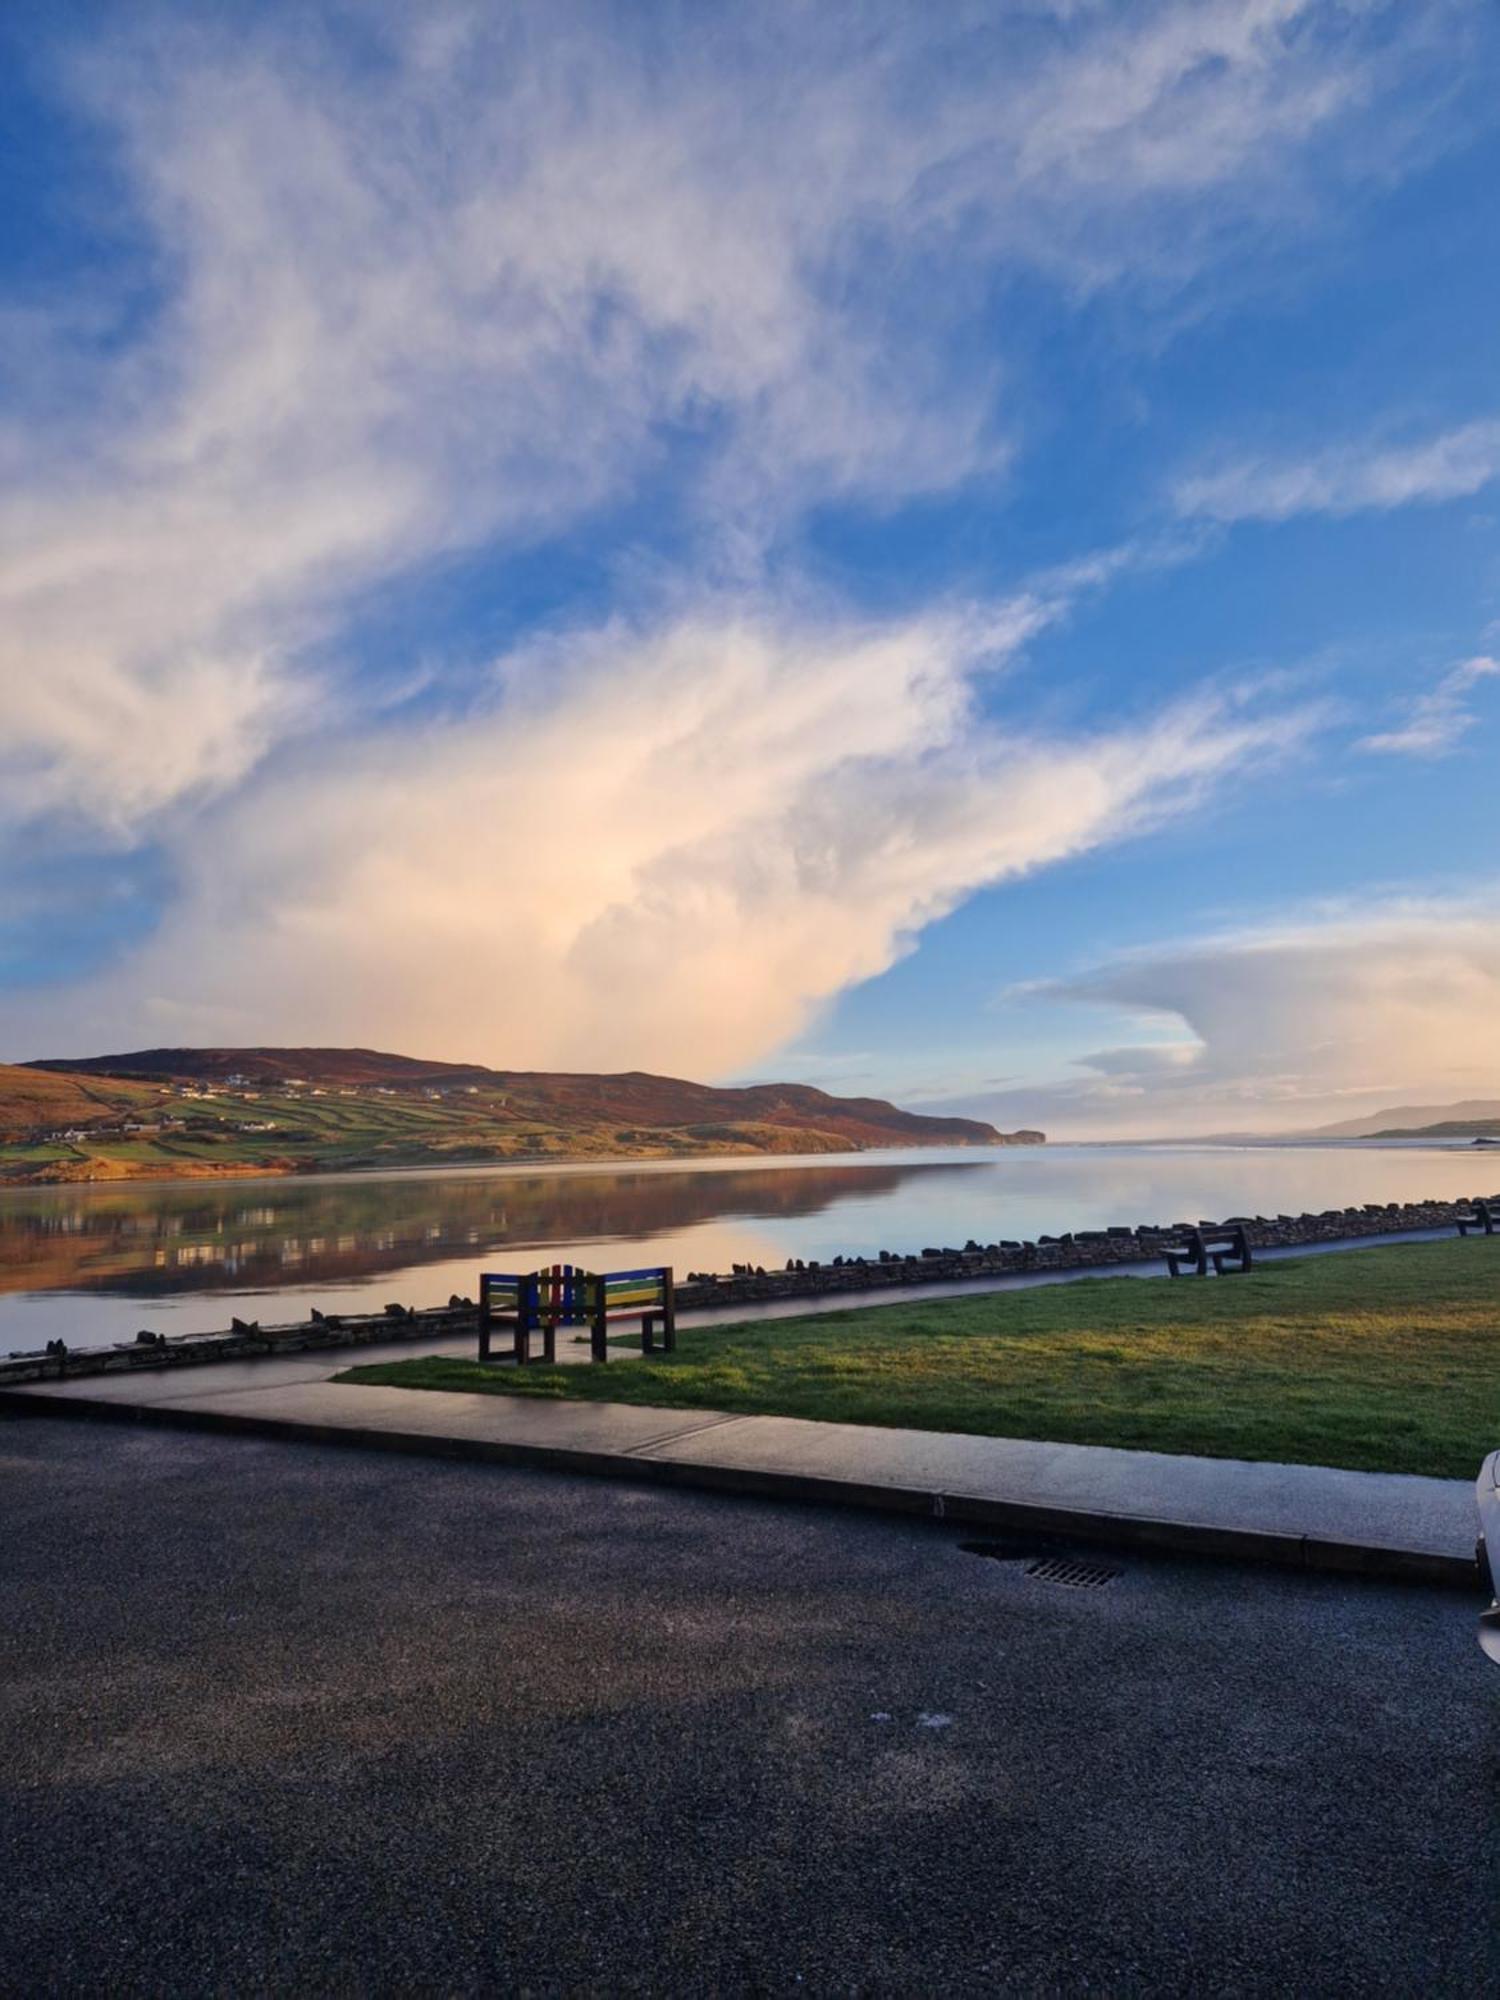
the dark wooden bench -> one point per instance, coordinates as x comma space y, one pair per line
1227, 1249
1479, 1215
562, 1295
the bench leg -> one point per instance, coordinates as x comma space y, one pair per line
648, 1331
599, 1338
669, 1315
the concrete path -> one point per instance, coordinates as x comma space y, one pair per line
1307, 1517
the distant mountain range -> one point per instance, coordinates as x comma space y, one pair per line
159, 1112
1474, 1118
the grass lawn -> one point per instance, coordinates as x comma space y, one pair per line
1383, 1360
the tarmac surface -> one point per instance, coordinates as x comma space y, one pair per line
282, 1717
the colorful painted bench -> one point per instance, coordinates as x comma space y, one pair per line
562, 1295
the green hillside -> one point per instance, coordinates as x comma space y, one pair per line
185, 1112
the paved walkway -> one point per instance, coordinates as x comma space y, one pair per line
1296, 1515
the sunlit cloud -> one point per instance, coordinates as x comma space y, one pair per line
1285, 1027
755, 814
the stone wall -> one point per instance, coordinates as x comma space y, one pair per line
243, 1340
1079, 1250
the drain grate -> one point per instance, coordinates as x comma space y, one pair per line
1077, 1575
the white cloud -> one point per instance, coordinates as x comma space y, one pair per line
660, 847
1349, 479
1142, 1059
1437, 720
486, 280
462, 290
1284, 1028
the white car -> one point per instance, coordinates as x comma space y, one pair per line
1488, 1493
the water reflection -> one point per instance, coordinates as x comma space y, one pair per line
153, 1240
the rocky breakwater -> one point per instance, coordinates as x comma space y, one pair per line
241, 1340
1078, 1250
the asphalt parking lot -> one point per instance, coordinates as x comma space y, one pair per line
276, 1717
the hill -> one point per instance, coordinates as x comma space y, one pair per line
262, 1110
1450, 1128
1472, 1117
32, 1098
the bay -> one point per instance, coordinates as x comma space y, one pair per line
92, 1264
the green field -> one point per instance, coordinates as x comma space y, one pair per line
285, 1131
189, 1113
1381, 1360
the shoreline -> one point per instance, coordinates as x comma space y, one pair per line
519, 1162
581, 1163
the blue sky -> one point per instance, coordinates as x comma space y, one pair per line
953, 553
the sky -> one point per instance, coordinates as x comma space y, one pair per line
950, 553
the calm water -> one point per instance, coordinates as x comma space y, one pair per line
94, 1264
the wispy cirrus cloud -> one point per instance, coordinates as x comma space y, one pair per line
471, 290
1435, 722
1348, 479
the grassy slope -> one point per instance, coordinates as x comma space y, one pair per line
415, 1121
32, 1097
335, 1132
554, 1098
1381, 1360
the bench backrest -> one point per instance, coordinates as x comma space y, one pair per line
500, 1292
569, 1296
636, 1291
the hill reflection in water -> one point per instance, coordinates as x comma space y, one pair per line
153, 1240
